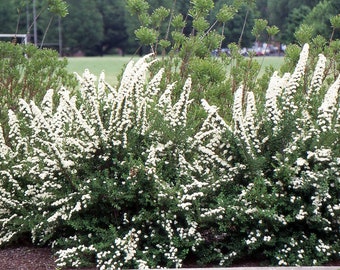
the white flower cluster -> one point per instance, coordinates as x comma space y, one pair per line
318, 76
244, 125
123, 251
294, 81
274, 91
292, 249
70, 256
329, 106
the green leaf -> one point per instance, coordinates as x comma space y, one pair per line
335, 21
201, 7
272, 30
178, 22
159, 15
304, 34
200, 24
146, 36
226, 13
137, 7
164, 43
259, 26
58, 7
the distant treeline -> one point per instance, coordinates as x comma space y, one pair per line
98, 27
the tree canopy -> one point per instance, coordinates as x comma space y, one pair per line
97, 27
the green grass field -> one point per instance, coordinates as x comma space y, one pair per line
275, 61
113, 65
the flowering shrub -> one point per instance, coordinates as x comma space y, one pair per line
287, 204
26, 72
123, 178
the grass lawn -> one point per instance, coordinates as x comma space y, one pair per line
113, 65
275, 61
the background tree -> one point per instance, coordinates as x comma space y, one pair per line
282, 13
8, 17
132, 22
318, 18
239, 28
294, 20
84, 28
97, 27
114, 32
235, 26
17, 16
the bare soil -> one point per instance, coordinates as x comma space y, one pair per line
29, 258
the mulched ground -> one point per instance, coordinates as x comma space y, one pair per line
28, 258
36, 258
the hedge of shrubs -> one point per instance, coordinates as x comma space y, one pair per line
130, 177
